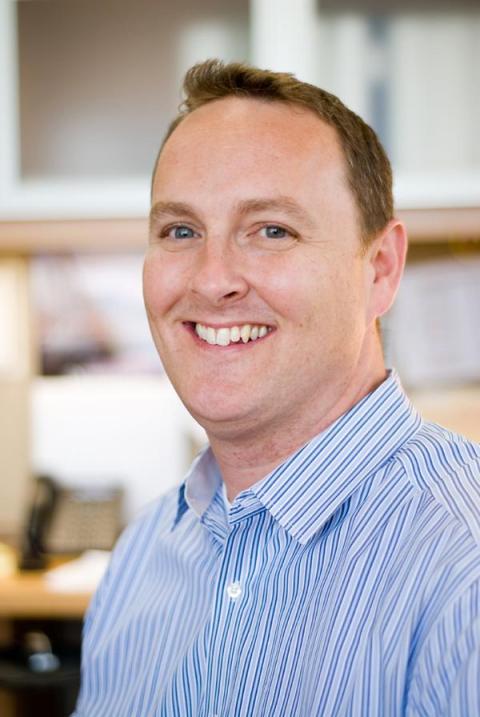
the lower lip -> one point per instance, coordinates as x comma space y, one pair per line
232, 346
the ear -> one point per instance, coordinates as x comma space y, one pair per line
386, 257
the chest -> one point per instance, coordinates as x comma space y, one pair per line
262, 625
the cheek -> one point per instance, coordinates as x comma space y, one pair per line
329, 301
161, 284
285, 283
301, 292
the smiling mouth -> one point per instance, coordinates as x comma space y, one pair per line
226, 335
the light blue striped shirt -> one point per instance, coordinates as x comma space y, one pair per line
346, 582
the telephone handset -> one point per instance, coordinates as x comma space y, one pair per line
33, 548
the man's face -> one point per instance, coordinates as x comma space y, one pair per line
253, 225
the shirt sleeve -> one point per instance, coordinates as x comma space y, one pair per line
89, 619
126, 556
446, 678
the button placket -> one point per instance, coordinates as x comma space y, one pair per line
230, 590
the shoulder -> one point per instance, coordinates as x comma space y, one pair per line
445, 468
136, 544
439, 561
446, 664
139, 533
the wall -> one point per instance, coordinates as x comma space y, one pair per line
15, 370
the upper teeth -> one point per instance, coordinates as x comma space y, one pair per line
233, 334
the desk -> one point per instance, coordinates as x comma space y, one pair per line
27, 595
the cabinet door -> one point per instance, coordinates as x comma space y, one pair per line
88, 93
413, 74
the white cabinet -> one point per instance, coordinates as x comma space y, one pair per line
87, 90
413, 75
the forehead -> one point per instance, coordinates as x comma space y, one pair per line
232, 126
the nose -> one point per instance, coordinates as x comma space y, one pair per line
219, 274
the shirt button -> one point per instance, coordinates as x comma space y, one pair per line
234, 590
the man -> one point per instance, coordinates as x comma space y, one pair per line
322, 556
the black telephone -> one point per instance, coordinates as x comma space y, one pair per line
33, 548
69, 520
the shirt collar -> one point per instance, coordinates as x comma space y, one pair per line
304, 491
202, 482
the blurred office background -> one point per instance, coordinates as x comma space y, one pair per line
87, 89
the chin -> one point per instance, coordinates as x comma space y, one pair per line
209, 415
210, 411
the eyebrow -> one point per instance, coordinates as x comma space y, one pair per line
170, 209
284, 204
281, 203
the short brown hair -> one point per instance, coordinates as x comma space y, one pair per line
368, 169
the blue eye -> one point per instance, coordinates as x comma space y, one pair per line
183, 232
272, 231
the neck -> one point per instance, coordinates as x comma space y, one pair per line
247, 455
